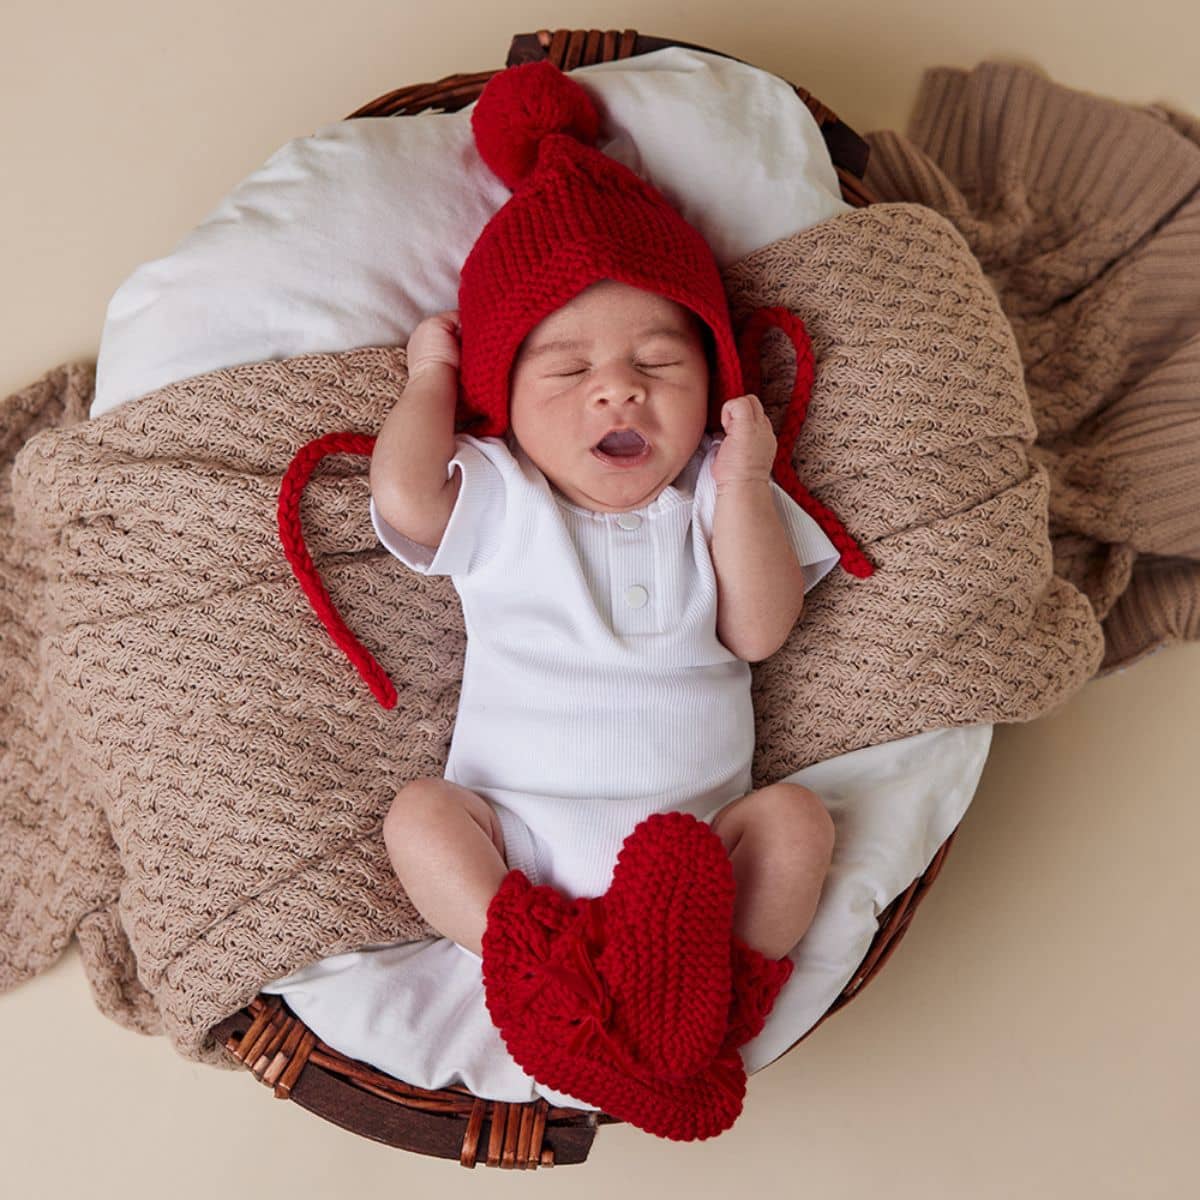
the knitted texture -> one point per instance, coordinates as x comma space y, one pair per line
1085, 216
576, 216
192, 777
755, 983
617, 999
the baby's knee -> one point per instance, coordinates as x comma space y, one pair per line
432, 809
417, 804
794, 821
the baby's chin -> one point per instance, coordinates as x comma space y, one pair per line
608, 492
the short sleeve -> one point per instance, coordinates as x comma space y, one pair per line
473, 534
815, 553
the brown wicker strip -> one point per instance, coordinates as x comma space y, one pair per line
448, 1123
283, 1055
538, 1132
501, 1111
280, 1031
822, 114
283, 1089
255, 1032
854, 191
448, 94
575, 44
470, 1143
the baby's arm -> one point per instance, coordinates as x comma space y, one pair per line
760, 583
416, 443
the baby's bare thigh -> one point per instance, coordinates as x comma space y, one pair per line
783, 818
427, 798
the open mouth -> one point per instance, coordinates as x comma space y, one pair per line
625, 448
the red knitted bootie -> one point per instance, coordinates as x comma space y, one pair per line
623, 1000
757, 981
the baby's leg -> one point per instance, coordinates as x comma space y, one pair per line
447, 848
780, 842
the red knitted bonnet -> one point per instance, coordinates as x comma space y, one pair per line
575, 217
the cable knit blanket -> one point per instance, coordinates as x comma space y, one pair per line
1004, 416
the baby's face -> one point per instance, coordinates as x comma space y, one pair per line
614, 355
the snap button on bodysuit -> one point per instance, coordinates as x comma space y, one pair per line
636, 596
629, 520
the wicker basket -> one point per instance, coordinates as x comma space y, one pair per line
275, 1044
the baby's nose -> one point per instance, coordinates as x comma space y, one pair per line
620, 384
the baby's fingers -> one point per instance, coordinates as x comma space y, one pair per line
448, 321
740, 408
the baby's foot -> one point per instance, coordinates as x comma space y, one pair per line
757, 981
669, 918
623, 1000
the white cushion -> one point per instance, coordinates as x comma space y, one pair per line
350, 236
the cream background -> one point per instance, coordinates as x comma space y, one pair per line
1035, 1034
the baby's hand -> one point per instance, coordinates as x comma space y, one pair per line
435, 340
748, 451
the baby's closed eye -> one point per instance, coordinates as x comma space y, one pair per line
654, 366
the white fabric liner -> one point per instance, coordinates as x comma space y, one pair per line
347, 238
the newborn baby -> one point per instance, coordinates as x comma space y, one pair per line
615, 357
594, 840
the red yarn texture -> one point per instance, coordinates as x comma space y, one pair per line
757, 981
576, 216
523, 105
627, 1001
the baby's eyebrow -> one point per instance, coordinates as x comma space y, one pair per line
574, 343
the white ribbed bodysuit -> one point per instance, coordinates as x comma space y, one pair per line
595, 690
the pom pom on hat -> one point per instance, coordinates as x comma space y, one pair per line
523, 105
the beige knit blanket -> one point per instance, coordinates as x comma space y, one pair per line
194, 776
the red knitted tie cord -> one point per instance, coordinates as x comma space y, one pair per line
292, 537
851, 559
